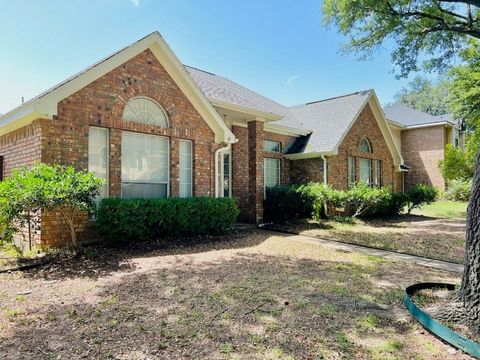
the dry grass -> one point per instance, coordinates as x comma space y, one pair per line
255, 296
442, 239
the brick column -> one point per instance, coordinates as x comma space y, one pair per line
255, 170
115, 163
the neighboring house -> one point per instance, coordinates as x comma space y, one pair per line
152, 127
422, 139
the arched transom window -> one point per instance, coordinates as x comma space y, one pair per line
145, 111
365, 146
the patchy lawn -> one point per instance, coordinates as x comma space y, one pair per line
444, 209
442, 239
254, 295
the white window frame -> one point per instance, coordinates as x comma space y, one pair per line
378, 178
222, 187
276, 143
279, 182
364, 160
136, 116
351, 163
180, 169
107, 177
368, 145
168, 160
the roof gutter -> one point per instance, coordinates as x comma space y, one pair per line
256, 113
310, 155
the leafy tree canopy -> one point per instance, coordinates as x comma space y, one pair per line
437, 29
425, 95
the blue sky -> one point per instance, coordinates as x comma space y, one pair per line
276, 47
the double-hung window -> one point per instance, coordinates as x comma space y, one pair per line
98, 157
271, 172
145, 166
366, 171
186, 165
352, 177
377, 181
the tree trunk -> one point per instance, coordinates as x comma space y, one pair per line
470, 289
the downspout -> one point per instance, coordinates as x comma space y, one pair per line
324, 169
216, 159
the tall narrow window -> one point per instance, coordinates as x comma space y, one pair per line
226, 175
145, 166
377, 181
352, 177
186, 168
271, 172
456, 137
98, 157
366, 171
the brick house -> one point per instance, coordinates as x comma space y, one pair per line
422, 139
152, 127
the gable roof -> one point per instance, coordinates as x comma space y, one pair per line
408, 117
45, 104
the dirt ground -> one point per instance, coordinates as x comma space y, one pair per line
442, 239
251, 295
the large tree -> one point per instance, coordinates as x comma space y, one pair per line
436, 31
425, 95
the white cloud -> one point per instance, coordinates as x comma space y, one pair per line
292, 79
135, 3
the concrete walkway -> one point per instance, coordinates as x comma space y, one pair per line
419, 260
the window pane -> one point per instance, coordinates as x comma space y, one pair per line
365, 146
185, 168
269, 145
365, 171
144, 191
378, 173
226, 175
271, 172
351, 171
145, 160
98, 157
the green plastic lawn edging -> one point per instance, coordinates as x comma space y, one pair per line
451, 337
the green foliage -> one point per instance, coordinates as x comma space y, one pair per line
362, 198
135, 220
29, 191
424, 95
284, 203
312, 200
436, 29
458, 190
420, 195
457, 164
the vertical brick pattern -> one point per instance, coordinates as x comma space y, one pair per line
240, 174
422, 148
255, 167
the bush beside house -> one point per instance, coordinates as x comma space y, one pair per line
133, 220
316, 200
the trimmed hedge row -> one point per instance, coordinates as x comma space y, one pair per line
313, 200
126, 220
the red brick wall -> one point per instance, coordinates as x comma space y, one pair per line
306, 170
101, 103
422, 148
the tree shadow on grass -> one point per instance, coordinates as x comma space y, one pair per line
251, 305
101, 259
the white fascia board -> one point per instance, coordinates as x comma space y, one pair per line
284, 130
309, 155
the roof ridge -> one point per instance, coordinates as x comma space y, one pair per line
333, 98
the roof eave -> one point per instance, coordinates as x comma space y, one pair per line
310, 155
252, 112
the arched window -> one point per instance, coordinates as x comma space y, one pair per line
365, 146
145, 111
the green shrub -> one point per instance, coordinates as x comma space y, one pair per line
29, 191
134, 220
284, 203
458, 190
322, 197
362, 198
421, 195
392, 205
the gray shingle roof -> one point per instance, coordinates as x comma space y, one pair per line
407, 116
328, 120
